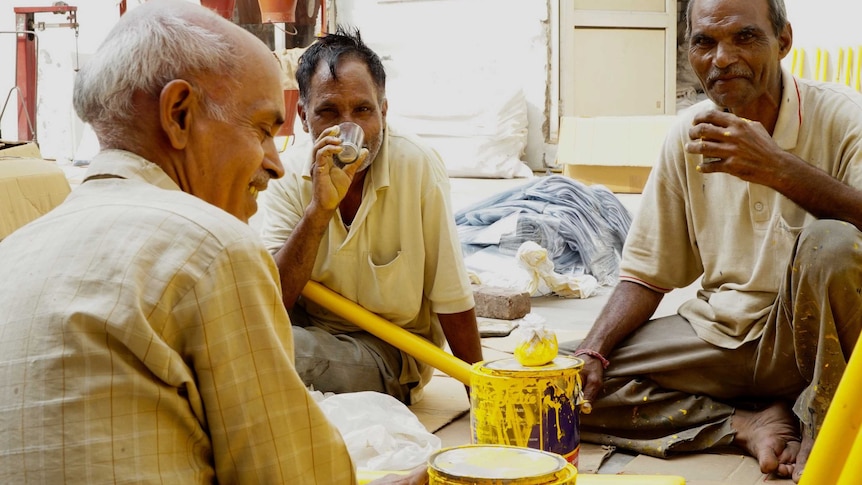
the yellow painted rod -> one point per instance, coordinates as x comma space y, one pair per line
858, 68
387, 331
840, 430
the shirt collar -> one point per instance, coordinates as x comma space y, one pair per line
789, 120
127, 165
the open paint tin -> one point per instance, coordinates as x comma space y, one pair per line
498, 465
532, 407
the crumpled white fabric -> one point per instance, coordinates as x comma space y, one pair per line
544, 280
381, 432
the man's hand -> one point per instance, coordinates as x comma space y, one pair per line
744, 148
592, 377
329, 180
736, 146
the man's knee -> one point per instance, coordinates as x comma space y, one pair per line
829, 245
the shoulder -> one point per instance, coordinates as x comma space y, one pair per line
408, 153
822, 100
159, 210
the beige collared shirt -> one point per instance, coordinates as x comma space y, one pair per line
143, 338
736, 235
401, 257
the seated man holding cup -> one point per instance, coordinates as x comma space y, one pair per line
377, 229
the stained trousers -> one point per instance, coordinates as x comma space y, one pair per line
667, 390
349, 362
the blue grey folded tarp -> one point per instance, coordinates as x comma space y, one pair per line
583, 228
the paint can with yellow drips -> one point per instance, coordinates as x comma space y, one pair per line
527, 406
498, 465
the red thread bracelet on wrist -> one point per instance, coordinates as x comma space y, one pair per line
594, 354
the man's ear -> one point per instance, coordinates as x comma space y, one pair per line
300, 111
785, 40
175, 114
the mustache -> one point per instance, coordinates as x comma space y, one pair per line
732, 71
260, 181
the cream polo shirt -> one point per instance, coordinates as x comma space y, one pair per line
143, 338
401, 258
738, 236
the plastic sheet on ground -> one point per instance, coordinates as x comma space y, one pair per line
381, 432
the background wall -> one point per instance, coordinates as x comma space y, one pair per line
434, 49
462, 52
58, 128
829, 25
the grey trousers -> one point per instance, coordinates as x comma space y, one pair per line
349, 362
667, 390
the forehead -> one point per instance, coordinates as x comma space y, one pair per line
259, 80
730, 14
353, 79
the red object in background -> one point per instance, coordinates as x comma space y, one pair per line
27, 58
278, 11
222, 7
291, 97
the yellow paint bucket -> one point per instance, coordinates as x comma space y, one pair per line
498, 465
532, 407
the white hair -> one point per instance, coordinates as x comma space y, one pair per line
142, 53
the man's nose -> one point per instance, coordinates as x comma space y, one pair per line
271, 161
725, 55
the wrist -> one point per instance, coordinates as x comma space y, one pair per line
594, 354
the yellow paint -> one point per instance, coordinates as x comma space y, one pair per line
509, 402
858, 85
821, 64
817, 60
539, 348
495, 464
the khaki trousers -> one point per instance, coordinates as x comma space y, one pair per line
667, 390
349, 362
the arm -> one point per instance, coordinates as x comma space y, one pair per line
255, 404
746, 150
462, 333
295, 259
629, 306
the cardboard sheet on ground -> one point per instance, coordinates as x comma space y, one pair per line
592, 456
444, 400
705, 469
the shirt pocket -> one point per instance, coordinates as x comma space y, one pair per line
392, 289
777, 250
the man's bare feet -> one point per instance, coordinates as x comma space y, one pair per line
771, 436
802, 456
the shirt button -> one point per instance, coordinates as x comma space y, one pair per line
758, 206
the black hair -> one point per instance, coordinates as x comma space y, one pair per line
345, 43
